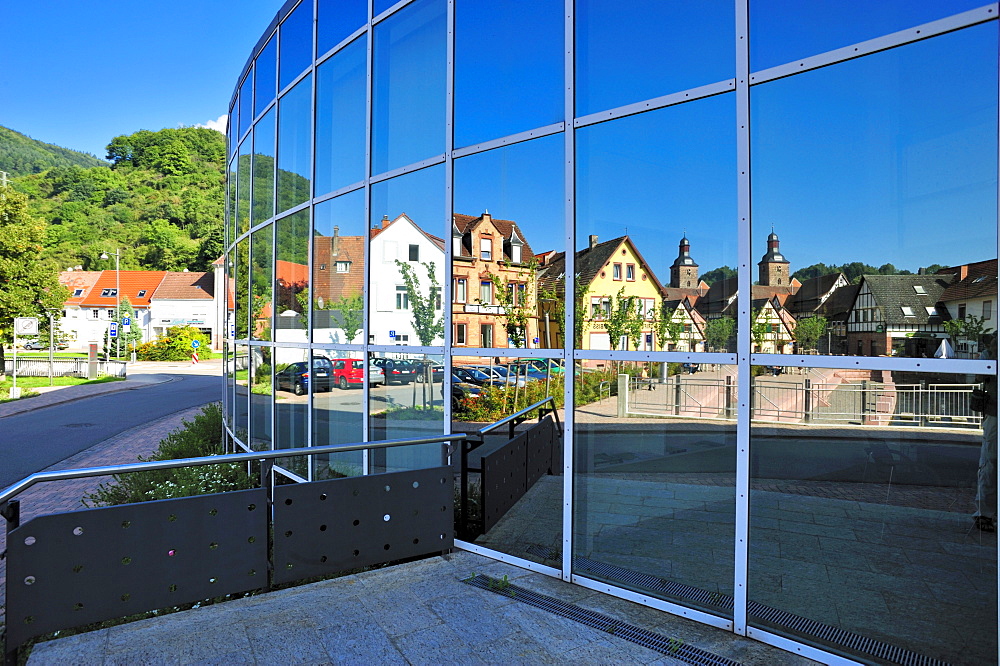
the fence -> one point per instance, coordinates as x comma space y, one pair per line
807, 401
63, 367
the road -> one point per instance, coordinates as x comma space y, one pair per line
34, 440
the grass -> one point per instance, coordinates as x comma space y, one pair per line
28, 383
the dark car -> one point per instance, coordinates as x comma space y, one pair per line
461, 392
396, 370
475, 376
423, 367
295, 377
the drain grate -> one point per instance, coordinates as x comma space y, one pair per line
773, 616
664, 645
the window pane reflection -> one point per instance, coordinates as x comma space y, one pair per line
525, 68
508, 224
293, 379
266, 74
655, 480
336, 20
408, 104
402, 405
338, 281
261, 279
340, 118
338, 411
781, 32
406, 290
672, 46
244, 185
261, 403
263, 169
294, 145
856, 166
643, 181
863, 491
291, 279
246, 103
296, 42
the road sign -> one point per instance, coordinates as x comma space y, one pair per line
534, 340
113, 330
126, 321
392, 334
195, 344
26, 325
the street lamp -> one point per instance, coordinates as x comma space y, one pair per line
118, 303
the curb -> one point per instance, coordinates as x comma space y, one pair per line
14, 408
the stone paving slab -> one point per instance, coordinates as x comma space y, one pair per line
415, 613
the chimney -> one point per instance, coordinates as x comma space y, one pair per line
593, 241
963, 271
385, 221
335, 243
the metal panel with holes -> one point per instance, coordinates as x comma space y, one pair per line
70, 569
331, 526
504, 479
539, 453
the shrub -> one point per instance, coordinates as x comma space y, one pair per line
200, 437
176, 346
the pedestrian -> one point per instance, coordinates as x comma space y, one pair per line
985, 401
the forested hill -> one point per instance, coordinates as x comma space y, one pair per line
21, 155
159, 203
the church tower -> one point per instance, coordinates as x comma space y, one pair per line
773, 267
684, 272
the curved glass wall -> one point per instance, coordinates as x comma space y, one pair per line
754, 246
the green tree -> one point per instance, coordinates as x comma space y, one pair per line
668, 329
27, 287
758, 328
516, 298
720, 273
719, 331
352, 315
808, 332
621, 320
427, 323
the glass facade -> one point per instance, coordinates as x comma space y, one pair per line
754, 246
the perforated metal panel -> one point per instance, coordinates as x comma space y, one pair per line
75, 568
330, 526
504, 480
540, 440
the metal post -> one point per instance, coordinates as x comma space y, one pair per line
864, 400
807, 402
729, 397
266, 482
11, 511
51, 345
677, 394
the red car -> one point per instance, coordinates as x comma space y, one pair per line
351, 372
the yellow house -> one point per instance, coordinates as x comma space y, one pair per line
613, 278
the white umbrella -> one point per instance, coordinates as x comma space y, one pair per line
944, 350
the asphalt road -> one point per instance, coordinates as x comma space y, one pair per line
32, 441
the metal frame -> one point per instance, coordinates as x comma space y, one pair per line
740, 86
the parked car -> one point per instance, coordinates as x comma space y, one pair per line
475, 376
40, 344
436, 370
295, 377
460, 392
500, 374
396, 370
350, 372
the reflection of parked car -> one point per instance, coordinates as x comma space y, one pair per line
295, 376
42, 344
475, 376
500, 374
396, 370
350, 372
460, 392
436, 370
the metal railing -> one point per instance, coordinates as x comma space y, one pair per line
65, 367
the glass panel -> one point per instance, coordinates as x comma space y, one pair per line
265, 71
863, 492
337, 20
858, 165
654, 490
640, 181
339, 269
781, 32
244, 185
232, 184
382, 5
241, 288
296, 42
526, 520
291, 280
525, 68
241, 403
294, 145
338, 414
508, 224
293, 378
261, 281
263, 169
261, 390
340, 118
401, 407
672, 46
406, 287
409, 86
246, 103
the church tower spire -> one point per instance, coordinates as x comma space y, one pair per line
773, 267
684, 271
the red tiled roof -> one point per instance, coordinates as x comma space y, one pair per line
185, 286
74, 280
979, 281
130, 283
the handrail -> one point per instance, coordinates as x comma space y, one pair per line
508, 419
87, 472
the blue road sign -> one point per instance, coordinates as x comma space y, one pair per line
392, 334
126, 321
195, 344
113, 332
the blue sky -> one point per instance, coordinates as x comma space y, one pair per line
77, 74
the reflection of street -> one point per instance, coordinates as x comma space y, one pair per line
381, 397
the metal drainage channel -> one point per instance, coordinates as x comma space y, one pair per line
647, 639
773, 616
